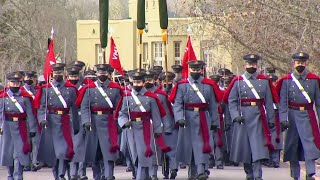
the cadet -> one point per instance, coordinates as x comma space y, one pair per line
170, 129
30, 87
277, 139
168, 126
177, 69
224, 73
195, 110
251, 109
299, 92
55, 101
77, 166
98, 101
167, 87
138, 108
16, 112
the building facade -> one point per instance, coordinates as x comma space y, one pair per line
126, 39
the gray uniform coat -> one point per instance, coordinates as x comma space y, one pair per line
78, 139
190, 141
100, 131
135, 136
53, 145
299, 145
248, 141
11, 144
36, 138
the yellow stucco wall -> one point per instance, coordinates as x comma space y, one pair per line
125, 35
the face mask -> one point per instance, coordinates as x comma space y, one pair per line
14, 89
137, 88
74, 82
148, 85
58, 78
300, 69
194, 75
103, 78
168, 87
29, 81
251, 70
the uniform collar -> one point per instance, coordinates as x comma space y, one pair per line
141, 92
13, 94
248, 75
303, 75
153, 89
56, 83
105, 84
191, 80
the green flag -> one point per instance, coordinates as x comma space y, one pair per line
104, 16
141, 16
163, 14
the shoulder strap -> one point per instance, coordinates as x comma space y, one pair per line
104, 94
253, 90
304, 93
196, 89
16, 103
142, 109
58, 93
29, 92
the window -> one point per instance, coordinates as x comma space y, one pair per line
99, 54
157, 53
147, 5
145, 56
177, 54
145, 53
209, 59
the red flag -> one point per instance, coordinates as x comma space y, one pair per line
114, 59
189, 55
50, 59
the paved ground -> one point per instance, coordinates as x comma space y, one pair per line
229, 173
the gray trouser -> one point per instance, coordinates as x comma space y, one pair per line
153, 170
195, 170
74, 167
295, 168
35, 144
15, 172
142, 172
275, 156
82, 169
253, 170
102, 169
59, 170
78, 169
218, 153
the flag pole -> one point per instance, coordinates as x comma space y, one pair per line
104, 17
65, 50
141, 24
164, 40
163, 15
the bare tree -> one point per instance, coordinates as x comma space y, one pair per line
273, 29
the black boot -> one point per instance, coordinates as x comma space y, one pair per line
173, 174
